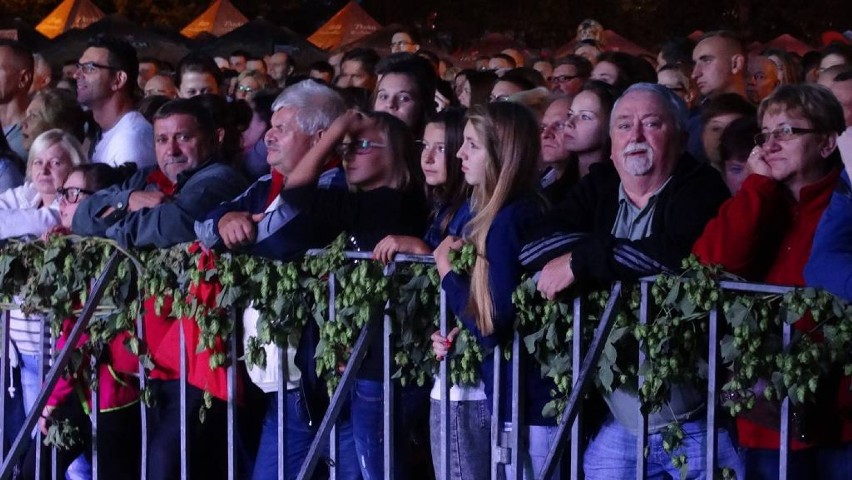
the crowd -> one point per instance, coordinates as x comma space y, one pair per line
596, 167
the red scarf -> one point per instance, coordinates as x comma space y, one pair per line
275, 189
158, 178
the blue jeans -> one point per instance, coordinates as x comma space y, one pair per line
824, 463
470, 439
368, 426
612, 453
300, 434
536, 441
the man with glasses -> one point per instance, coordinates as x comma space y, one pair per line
404, 40
569, 74
106, 78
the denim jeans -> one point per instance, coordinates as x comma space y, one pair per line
470, 439
612, 453
300, 434
411, 405
824, 463
26, 384
536, 441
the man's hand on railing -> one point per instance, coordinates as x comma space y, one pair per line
443, 345
556, 276
44, 420
238, 228
389, 246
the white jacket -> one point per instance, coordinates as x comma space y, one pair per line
21, 216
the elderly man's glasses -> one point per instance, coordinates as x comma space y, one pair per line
91, 67
783, 133
245, 89
72, 194
357, 147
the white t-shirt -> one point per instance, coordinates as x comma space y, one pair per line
129, 140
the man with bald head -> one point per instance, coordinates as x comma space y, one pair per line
16, 76
761, 79
720, 64
636, 216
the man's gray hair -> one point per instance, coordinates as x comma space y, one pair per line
673, 104
317, 105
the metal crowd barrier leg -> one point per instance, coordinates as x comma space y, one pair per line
21, 442
642, 430
576, 357
444, 388
232, 396
96, 407
41, 356
784, 450
347, 381
282, 413
387, 394
583, 382
5, 319
332, 436
143, 410
712, 387
54, 474
517, 456
184, 440
497, 454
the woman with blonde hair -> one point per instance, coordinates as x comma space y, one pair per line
53, 108
499, 157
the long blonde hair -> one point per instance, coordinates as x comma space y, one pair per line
510, 135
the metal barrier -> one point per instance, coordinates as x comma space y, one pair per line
508, 454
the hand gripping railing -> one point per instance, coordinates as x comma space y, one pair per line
22, 441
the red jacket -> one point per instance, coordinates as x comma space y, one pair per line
118, 385
162, 335
762, 234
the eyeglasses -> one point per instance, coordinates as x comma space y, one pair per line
357, 147
426, 147
245, 89
781, 134
564, 78
90, 67
555, 126
72, 194
498, 98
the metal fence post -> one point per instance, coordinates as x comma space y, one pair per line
184, 440
232, 396
642, 430
576, 358
712, 387
444, 388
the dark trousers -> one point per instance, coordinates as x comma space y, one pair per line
118, 449
207, 441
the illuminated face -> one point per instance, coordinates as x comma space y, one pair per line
367, 160
68, 204
566, 80
714, 67
402, 42
278, 66
237, 63
180, 144
286, 143
353, 74
474, 156
246, 87
606, 72
397, 94
146, 71
34, 122
161, 85
197, 83
796, 161
553, 125
50, 168
94, 80
433, 157
587, 125
644, 137
762, 78
712, 133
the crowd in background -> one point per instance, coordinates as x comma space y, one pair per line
595, 167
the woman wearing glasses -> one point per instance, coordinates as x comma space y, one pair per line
118, 423
764, 234
27, 212
385, 197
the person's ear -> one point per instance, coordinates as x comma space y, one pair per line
829, 145
738, 63
119, 81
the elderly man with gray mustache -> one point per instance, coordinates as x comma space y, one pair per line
636, 216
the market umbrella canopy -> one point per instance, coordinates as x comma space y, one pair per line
221, 18
348, 25
68, 15
261, 37
162, 44
790, 44
612, 41
21, 31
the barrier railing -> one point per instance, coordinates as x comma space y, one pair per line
506, 450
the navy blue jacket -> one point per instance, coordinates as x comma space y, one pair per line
502, 247
830, 264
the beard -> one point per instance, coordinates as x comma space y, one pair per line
638, 165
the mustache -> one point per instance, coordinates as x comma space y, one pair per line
176, 160
635, 147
